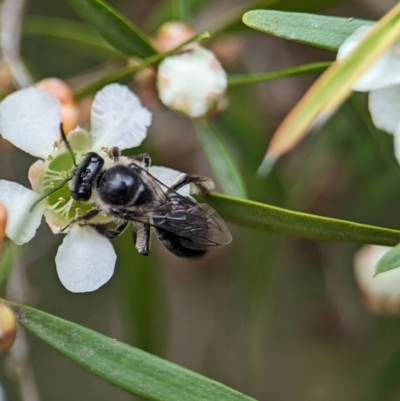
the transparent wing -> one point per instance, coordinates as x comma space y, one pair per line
198, 226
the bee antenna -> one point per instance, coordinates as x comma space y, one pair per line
68, 146
49, 193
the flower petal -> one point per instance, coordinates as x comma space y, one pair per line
30, 119
384, 106
191, 82
381, 292
85, 260
118, 118
397, 145
35, 174
166, 176
21, 224
384, 72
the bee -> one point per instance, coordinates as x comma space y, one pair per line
123, 188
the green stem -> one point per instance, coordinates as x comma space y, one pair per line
122, 73
305, 69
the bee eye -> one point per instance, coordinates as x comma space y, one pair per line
118, 186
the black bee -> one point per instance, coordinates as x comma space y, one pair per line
123, 188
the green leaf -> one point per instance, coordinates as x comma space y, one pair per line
61, 28
389, 261
217, 22
113, 27
126, 367
314, 30
305, 69
220, 159
297, 224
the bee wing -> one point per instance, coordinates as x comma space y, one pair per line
198, 226
217, 234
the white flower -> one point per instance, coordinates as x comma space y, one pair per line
382, 81
381, 293
30, 120
191, 82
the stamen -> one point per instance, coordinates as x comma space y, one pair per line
61, 199
55, 145
49, 158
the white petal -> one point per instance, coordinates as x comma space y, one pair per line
118, 118
191, 82
384, 72
166, 176
30, 119
85, 260
397, 145
381, 292
384, 106
21, 224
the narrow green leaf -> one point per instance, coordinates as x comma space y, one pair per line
61, 28
297, 224
221, 162
389, 261
180, 10
305, 69
314, 30
126, 367
231, 19
113, 27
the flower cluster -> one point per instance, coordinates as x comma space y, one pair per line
30, 119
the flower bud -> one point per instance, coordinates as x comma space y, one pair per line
381, 293
192, 82
172, 34
8, 328
69, 109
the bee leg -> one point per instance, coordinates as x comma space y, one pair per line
84, 217
141, 238
143, 160
109, 233
199, 185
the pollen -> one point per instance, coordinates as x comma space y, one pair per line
55, 145
49, 158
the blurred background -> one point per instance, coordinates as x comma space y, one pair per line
276, 318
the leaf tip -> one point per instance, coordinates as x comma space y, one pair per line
266, 165
246, 18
